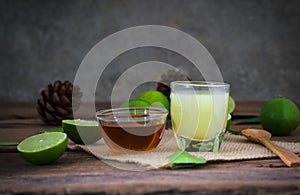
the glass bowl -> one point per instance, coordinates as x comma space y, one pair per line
131, 130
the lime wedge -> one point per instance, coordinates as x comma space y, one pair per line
82, 131
43, 148
231, 105
135, 103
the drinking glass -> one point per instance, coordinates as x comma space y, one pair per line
199, 114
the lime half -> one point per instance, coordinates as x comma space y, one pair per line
231, 105
82, 131
43, 148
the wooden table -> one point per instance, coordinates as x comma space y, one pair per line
79, 172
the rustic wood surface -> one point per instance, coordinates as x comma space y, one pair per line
78, 172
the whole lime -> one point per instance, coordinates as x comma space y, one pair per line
280, 116
155, 98
43, 148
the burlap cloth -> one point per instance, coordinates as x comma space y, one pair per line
234, 147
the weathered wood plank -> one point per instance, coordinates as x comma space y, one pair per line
81, 173
28, 110
247, 108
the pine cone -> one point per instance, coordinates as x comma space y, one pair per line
55, 102
166, 79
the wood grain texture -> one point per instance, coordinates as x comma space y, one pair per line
78, 172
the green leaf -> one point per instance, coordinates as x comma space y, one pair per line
252, 120
9, 143
184, 157
59, 129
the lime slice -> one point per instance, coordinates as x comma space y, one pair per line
43, 148
82, 131
231, 105
135, 103
155, 98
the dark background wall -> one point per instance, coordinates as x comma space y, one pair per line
254, 42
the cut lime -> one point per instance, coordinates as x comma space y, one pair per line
82, 131
135, 103
231, 105
155, 98
43, 148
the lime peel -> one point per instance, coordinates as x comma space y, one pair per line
79, 122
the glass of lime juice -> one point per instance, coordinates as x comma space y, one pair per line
199, 114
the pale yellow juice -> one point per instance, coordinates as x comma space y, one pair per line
199, 116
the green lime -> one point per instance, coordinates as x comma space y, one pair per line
231, 105
279, 116
135, 103
43, 148
228, 121
155, 98
82, 131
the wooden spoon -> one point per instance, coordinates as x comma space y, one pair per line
263, 137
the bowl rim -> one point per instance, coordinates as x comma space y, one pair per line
200, 83
105, 114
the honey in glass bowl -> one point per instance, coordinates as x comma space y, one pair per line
131, 130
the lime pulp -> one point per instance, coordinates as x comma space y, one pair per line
43, 148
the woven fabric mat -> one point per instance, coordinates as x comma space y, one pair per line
234, 147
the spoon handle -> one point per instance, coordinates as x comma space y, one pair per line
288, 157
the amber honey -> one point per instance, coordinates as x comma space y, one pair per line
132, 136
130, 130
